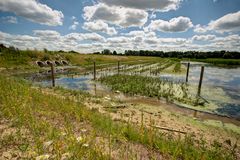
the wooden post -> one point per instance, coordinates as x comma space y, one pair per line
95, 89
200, 81
188, 65
94, 70
118, 67
53, 78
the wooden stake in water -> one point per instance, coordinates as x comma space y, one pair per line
118, 67
53, 78
200, 81
94, 70
188, 65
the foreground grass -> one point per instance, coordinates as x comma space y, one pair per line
54, 119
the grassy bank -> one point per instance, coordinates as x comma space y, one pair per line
26, 58
219, 61
55, 126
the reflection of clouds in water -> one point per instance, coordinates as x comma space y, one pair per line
221, 86
74, 83
78, 83
216, 94
171, 77
215, 76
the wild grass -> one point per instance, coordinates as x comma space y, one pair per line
46, 117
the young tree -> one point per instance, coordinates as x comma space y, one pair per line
114, 53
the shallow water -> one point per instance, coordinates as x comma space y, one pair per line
221, 86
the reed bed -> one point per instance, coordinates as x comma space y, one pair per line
152, 87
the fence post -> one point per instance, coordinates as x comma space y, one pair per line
94, 70
52, 72
200, 81
118, 67
188, 65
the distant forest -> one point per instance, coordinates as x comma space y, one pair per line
171, 54
176, 54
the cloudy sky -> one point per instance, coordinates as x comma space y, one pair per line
93, 25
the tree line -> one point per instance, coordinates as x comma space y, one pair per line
177, 54
171, 54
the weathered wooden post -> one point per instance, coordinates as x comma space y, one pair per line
94, 70
53, 78
200, 81
118, 67
188, 65
95, 89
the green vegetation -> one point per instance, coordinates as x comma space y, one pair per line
14, 58
151, 87
219, 61
177, 67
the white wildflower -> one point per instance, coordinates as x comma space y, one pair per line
43, 157
79, 139
85, 145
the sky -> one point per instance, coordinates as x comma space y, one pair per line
88, 26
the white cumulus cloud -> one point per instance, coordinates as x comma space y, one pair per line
99, 26
121, 16
208, 37
33, 11
158, 5
227, 23
179, 24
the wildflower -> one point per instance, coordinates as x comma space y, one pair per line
79, 139
63, 134
43, 157
83, 130
85, 145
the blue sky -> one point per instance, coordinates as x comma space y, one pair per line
92, 25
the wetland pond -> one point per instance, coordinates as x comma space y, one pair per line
220, 88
